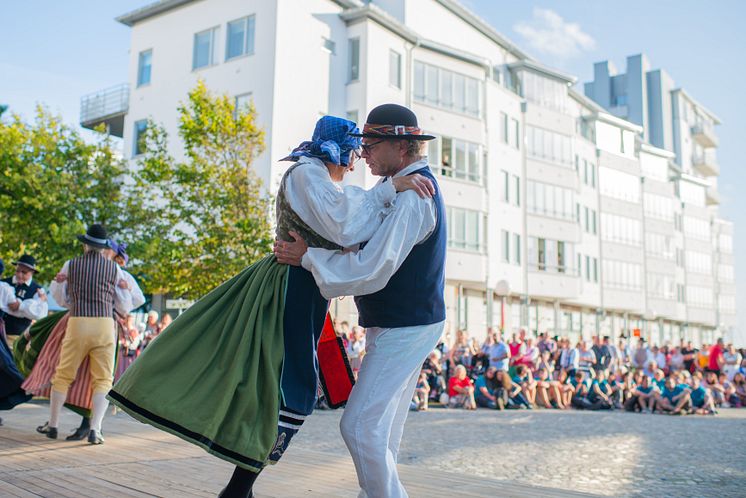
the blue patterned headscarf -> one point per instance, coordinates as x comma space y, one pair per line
331, 142
120, 248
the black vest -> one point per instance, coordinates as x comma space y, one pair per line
13, 324
414, 294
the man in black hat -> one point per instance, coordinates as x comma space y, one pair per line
32, 300
398, 278
89, 287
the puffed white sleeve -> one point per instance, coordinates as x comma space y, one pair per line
138, 298
34, 308
59, 290
122, 297
345, 215
7, 296
368, 270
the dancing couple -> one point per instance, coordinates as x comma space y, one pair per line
236, 374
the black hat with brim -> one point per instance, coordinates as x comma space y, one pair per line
28, 261
95, 236
392, 122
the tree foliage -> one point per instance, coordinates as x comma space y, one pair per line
190, 223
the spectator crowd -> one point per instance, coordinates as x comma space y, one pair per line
553, 373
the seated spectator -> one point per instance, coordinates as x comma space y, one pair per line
485, 389
461, 352
673, 399
702, 403
435, 377
530, 356
739, 384
581, 386
566, 388
517, 347
677, 360
523, 378
547, 363
732, 360
616, 383
659, 378
643, 396
717, 391
421, 393
600, 392
547, 390
510, 391
461, 390
729, 391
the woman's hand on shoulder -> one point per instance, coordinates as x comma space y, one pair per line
420, 184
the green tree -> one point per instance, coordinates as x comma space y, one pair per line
208, 216
52, 185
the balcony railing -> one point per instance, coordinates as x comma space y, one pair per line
706, 163
106, 107
704, 133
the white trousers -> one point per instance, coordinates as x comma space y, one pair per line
373, 420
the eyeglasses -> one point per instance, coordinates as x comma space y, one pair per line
367, 148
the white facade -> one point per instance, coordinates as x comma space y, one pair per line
545, 189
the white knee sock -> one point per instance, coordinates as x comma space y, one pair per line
100, 404
56, 401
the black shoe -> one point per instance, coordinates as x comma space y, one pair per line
79, 434
50, 432
95, 438
223, 495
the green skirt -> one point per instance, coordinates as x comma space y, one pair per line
213, 376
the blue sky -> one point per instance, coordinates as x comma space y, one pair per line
55, 52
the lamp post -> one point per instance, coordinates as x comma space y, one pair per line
502, 289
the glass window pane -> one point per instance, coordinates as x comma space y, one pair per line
143, 67
459, 163
446, 89
432, 84
235, 43
446, 155
459, 92
202, 49
419, 81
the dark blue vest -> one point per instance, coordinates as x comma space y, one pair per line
414, 294
13, 324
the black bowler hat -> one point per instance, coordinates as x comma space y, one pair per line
28, 261
392, 121
95, 236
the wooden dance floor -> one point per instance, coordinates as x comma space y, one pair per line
139, 461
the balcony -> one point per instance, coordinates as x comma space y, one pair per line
712, 196
706, 163
107, 107
704, 134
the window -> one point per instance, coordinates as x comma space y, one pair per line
240, 38
140, 127
505, 130
546, 92
620, 185
661, 285
517, 249
696, 228
660, 246
204, 48
242, 104
458, 159
595, 270
622, 275
516, 133
553, 256
516, 190
549, 146
329, 45
506, 186
506, 246
698, 262
658, 206
144, 64
464, 229
394, 69
699, 296
621, 229
588, 268
549, 200
353, 71
446, 89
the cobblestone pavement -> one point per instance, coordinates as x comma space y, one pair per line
605, 453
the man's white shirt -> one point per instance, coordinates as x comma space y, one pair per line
122, 297
32, 308
367, 271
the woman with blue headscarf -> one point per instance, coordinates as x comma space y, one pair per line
236, 374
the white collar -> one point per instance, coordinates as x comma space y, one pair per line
15, 281
411, 168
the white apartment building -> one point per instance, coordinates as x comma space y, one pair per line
562, 218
